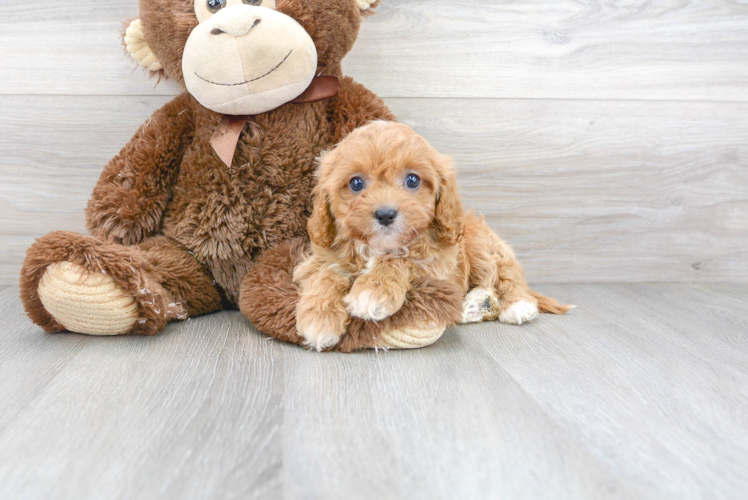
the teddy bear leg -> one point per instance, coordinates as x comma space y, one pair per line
86, 302
71, 282
269, 297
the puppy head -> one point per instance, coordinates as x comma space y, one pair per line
384, 186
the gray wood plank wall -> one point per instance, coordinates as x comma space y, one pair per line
607, 141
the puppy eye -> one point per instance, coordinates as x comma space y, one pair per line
216, 5
252, 2
357, 184
412, 181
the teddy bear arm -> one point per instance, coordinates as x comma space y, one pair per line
131, 195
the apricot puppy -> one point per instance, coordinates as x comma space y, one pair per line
386, 213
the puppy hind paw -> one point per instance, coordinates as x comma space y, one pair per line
480, 304
519, 312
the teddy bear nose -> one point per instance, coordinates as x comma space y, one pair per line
385, 216
236, 27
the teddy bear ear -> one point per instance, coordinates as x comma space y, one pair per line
138, 47
367, 6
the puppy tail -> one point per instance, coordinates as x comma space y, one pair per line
549, 305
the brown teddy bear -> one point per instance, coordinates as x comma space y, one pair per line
216, 184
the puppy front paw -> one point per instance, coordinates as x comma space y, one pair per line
374, 303
320, 329
519, 312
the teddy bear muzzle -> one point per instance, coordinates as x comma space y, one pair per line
247, 60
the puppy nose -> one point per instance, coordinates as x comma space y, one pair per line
236, 27
386, 216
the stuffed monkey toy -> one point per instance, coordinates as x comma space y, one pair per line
214, 189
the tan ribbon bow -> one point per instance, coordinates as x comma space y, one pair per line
226, 136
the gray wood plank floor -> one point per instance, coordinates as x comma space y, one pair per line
641, 392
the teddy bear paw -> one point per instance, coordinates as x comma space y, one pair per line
411, 338
86, 302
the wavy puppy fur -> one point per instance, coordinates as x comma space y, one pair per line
275, 298
387, 214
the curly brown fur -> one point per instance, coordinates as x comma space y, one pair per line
364, 263
128, 202
268, 293
272, 308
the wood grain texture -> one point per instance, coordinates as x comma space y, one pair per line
580, 49
72, 48
442, 422
588, 49
193, 413
602, 191
652, 378
641, 392
585, 191
52, 151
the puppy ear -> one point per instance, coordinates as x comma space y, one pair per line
449, 214
321, 225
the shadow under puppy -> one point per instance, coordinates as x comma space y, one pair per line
386, 214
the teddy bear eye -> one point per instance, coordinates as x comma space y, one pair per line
216, 5
357, 184
252, 2
412, 181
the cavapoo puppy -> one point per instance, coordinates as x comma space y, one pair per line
387, 213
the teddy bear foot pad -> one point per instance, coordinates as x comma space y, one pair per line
86, 302
411, 338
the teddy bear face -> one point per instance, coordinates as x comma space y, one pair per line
249, 56
246, 58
